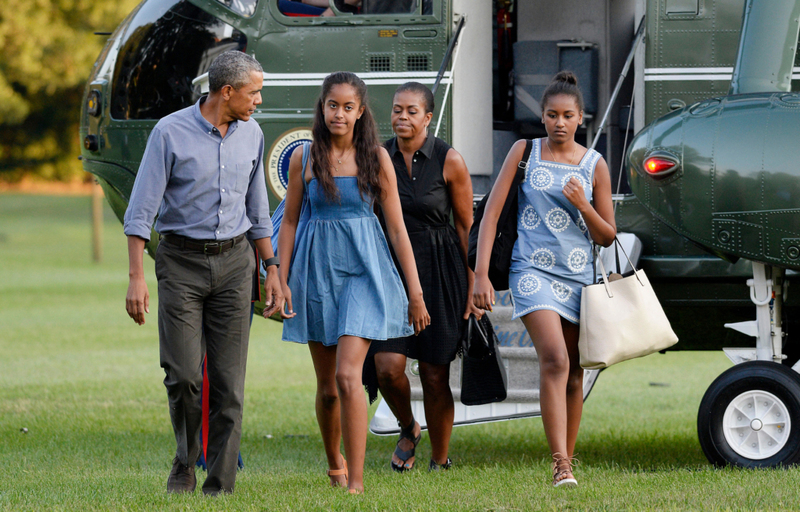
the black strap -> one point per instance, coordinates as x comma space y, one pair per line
515, 184
523, 164
271, 261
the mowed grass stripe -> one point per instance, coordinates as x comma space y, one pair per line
86, 384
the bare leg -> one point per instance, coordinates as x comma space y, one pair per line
544, 328
439, 409
574, 385
327, 406
350, 357
396, 390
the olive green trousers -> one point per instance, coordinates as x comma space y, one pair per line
204, 309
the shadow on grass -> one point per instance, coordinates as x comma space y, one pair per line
651, 451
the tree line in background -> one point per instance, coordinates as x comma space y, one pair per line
47, 48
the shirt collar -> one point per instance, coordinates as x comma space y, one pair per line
426, 149
204, 124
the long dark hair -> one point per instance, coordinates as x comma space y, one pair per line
565, 82
365, 141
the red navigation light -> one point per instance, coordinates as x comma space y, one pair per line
660, 167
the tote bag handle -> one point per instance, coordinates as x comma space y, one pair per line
603, 268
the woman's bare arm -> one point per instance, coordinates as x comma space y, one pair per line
459, 187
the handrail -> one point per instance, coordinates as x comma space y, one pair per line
447, 54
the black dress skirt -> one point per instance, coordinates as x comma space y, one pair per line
440, 264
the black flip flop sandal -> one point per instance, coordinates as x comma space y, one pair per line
404, 455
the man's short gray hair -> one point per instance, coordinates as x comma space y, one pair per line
232, 68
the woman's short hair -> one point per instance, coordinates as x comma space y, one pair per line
422, 90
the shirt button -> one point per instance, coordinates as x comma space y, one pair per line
223, 190
217, 232
223, 166
414, 178
220, 211
415, 159
221, 143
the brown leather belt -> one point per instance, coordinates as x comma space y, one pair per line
204, 246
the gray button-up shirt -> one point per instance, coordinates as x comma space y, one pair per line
202, 186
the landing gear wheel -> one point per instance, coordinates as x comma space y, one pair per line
750, 416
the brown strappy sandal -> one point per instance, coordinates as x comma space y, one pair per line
339, 472
562, 471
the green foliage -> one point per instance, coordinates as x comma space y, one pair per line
85, 383
47, 48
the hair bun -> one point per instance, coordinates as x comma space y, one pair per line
566, 76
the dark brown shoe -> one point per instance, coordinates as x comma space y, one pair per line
181, 478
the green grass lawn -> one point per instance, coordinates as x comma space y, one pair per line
85, 382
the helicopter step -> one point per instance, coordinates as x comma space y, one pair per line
519, 358
750, 415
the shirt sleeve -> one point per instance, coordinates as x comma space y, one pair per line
257, 200
149, 187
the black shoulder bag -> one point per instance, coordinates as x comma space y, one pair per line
500, 260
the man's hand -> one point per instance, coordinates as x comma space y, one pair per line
137, 302
274, 298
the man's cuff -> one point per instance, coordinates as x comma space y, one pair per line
138, 230
256, 232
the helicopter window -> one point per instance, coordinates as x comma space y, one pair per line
304, 8
393, 6
243, 7
388, 6
167, 45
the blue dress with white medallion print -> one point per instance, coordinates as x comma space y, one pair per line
552, 257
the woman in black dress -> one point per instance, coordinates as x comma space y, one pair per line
432, 180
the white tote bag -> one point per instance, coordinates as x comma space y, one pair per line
621, 320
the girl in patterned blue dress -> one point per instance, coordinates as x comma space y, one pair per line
564, 205
342, 289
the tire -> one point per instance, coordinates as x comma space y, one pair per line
750, 417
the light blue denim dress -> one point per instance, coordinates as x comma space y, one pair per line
342, 278
552, 257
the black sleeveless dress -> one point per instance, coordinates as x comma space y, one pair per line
442, 273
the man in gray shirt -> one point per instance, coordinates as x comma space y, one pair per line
203, 173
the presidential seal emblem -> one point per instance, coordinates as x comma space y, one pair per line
278, 159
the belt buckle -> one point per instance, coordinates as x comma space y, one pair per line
212, 248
